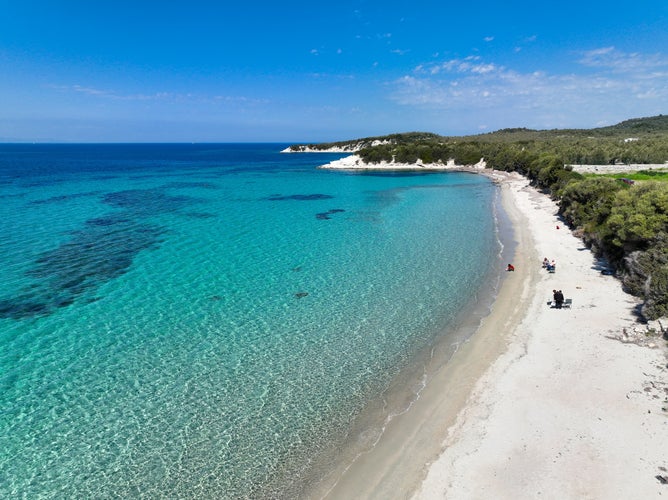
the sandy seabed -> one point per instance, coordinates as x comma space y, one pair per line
540, 402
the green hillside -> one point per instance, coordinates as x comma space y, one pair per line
639, 140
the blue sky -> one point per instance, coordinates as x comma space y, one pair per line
294, 71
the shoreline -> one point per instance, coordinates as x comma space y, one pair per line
395, 466
566, 406
355, 162
403, 396
576, 405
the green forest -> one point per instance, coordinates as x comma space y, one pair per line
621, 218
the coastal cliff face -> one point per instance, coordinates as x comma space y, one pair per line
356, 145
352, 147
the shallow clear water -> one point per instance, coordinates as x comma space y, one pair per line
208, 320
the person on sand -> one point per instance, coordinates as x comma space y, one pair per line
558, 298
545, 263
510, 267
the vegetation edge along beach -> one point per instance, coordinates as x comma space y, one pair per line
620, 217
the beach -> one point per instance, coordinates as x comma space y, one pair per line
292, 333
540, 402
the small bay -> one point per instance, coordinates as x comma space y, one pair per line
213, 320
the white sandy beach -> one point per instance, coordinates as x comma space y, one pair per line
540, 403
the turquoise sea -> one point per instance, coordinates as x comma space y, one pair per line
220, 320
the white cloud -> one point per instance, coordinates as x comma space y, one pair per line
622, 62
111, 94
333, 76
469, 64
488, 38
91, 91
601, 82
230, 99
526, 40
83, 90
483, 68
165, 97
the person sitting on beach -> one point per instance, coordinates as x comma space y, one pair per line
510, 267
558, 299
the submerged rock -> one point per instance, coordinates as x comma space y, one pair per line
299, 197
326, 215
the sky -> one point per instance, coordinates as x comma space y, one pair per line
296, 71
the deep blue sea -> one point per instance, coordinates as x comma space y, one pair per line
219, 320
